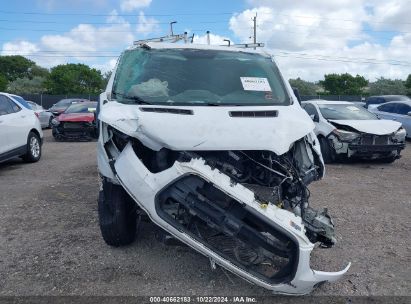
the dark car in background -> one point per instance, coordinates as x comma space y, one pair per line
376, 100
77, 122
63, 104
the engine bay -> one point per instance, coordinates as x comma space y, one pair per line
278, 180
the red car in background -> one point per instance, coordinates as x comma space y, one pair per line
77, 122
63, 104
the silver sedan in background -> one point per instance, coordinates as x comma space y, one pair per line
395, 110
44, 116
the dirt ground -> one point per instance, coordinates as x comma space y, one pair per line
51, 243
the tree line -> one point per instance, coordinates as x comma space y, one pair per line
346, 84
20, 75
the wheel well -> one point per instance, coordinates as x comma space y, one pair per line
37, 133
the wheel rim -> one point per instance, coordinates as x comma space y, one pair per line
34, 147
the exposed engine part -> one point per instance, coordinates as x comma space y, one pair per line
279, 180
320, 226
226, 226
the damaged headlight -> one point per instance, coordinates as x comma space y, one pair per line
399, 136
55, 122
346, 135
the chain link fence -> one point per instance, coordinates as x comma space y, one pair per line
47, 101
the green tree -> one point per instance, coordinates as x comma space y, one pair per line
3, 82
384, 86
344, 84
13, 67
408, 84
74, 79
39, 71
27, 86
304, 87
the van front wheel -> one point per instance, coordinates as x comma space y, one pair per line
326, 150
117, 214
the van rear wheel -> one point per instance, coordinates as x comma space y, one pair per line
117, 214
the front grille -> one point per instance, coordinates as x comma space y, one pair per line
254, 113
72, 125
381, 140
167, 110
367, 139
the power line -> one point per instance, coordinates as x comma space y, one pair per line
192, 30
192, 14
282, 54
195, 22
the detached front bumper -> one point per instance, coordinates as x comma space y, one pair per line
372, 148
146, 187
81, 131
376, 148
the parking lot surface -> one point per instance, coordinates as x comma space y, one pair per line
51, 243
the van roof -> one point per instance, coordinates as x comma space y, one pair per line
232, 48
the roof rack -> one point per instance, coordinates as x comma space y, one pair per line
169, 38
178, 37
248, 45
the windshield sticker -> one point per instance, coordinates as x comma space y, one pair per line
352, 108
255, 84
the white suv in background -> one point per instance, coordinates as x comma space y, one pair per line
20, 130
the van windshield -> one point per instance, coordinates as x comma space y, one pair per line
198, 77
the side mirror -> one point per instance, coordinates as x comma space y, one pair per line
409, 113
297, 94
315, 117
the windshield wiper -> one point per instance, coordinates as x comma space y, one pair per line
137, 99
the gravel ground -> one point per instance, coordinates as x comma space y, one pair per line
51, 243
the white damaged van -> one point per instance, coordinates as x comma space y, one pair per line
212, 144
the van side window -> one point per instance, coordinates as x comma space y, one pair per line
310, 109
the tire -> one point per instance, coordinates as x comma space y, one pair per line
388, 160
327, 151
33, 153
50, 124
117, 215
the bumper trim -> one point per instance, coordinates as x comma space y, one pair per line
142, 185
376, 148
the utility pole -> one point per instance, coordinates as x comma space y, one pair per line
255, 29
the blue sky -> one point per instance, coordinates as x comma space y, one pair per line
308, 38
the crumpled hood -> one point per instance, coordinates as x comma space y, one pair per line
76, 117
376, 127
210, 128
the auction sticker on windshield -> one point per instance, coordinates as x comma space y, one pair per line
255, 84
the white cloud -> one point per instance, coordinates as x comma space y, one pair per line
391, 14
130, 5
146, 25
106, 66
316, 37
19, 48
84, 43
